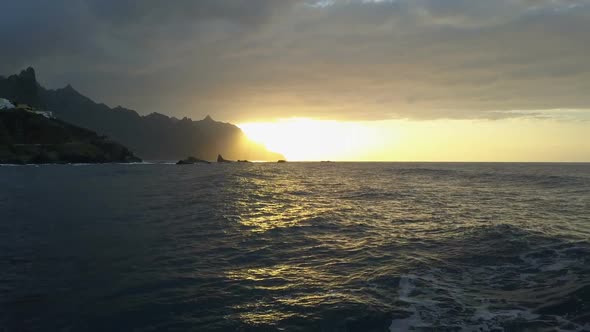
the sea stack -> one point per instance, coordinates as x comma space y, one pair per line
221, 160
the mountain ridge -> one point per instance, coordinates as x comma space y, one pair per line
155, 136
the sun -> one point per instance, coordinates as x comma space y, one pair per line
304, 139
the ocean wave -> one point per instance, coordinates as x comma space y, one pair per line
541, 285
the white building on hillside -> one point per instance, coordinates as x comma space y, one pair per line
46, 114
5, 104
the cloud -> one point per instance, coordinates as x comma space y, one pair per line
337, 59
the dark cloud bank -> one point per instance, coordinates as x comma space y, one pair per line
255, 59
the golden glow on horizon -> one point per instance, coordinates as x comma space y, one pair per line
517, 139
304, 139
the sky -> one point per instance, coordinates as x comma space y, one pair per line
511, 75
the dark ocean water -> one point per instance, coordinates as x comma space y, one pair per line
295, 247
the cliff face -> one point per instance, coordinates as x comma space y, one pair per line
22, 88
28, 138
155, 136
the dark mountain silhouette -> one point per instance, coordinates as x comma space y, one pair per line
22, 88
29, 138
154, 136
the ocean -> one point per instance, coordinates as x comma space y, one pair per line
295, 247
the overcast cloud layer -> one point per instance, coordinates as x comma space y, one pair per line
245, 60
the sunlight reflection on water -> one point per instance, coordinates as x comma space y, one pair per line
297, 246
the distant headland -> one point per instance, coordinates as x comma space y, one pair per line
153, 137
31, 137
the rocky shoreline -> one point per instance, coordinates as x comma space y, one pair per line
29, 138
